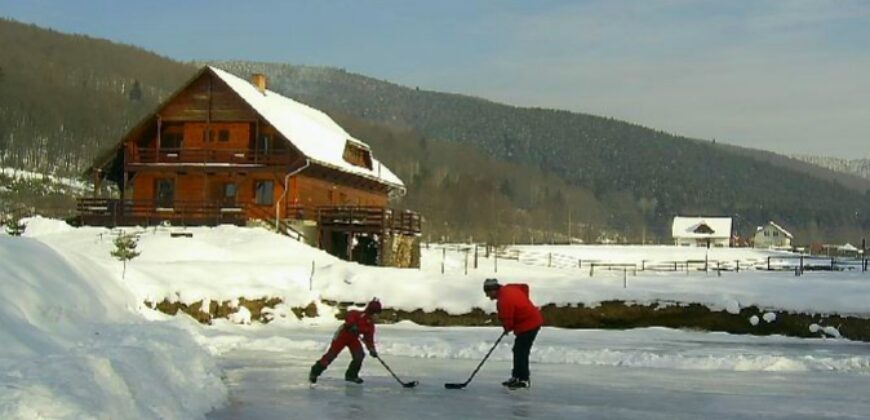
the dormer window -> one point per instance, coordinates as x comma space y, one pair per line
703, 228
357, 155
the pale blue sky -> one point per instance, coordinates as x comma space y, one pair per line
791, 76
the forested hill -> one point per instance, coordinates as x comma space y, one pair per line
475, 169
65, 97
857, 167
629, 168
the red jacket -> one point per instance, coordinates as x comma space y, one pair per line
516, 312
357, 324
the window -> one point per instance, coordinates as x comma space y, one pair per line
230, 191
224, 135
171, 140
357, 155
264, 193
164, 192
703, 228
265, 143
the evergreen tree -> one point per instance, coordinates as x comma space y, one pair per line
125, 249
136, 92
14, 226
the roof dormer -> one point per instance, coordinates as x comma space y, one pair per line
357, 155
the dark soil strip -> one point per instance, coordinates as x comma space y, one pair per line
607, 315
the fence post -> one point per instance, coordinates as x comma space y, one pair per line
768, 263
642, 265
832, 263
311, 278
466, 261
591, 269
738, 265
495, 259
579, 263
443, 257
624, 278
475, 256
802, 264
549, 260
719, 268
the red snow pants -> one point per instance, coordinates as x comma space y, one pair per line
343, 339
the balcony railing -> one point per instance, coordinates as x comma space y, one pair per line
114, 212
205, 156
369, 219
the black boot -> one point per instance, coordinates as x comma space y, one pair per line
352, 373
316, 370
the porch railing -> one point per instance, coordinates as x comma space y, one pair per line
202, 156
364, 218
114, 212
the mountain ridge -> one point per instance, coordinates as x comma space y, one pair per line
476, 169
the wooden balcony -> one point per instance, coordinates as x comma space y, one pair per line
363, 219
191, 156
114, 212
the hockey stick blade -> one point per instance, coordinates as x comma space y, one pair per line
410, 384
455, 386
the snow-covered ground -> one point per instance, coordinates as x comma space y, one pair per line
78, 340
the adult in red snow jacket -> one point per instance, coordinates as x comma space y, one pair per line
356, 324
518, 315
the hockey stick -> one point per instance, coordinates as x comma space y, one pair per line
404, 384
464, 384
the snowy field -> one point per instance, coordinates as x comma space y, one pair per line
78, 342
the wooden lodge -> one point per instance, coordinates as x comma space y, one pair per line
225, 150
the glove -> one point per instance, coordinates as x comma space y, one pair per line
373, 353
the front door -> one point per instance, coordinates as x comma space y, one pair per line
230, 192
164, 193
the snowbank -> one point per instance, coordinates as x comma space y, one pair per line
74, 345
229, 262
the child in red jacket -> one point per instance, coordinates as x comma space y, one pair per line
518, 315
356, 323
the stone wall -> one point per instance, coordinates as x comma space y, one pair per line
402, 251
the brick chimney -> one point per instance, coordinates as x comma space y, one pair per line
259, 81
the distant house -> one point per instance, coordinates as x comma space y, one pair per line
772, 235
225, 150
702, 231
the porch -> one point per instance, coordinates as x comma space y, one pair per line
366, 234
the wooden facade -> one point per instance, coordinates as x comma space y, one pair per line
207, 156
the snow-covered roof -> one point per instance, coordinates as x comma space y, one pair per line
847, 247
311, 131
777, 227
691, 227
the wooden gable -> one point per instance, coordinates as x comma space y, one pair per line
206, 98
